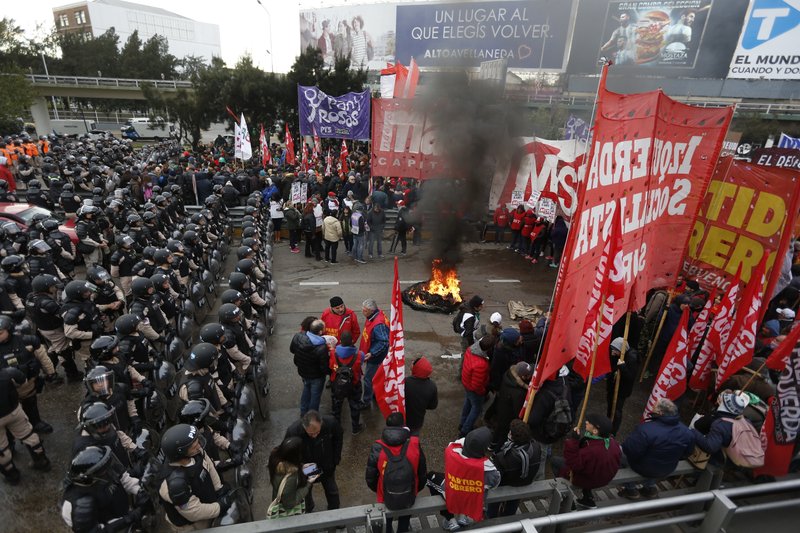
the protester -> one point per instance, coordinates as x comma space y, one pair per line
374, 344
713, 433
475, 378
421, 394
509, 400
517, 460
345, 368
468, 321
628, 374
338, 318
311, 359
290, 485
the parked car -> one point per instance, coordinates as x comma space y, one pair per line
22, 213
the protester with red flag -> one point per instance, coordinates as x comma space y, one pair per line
701, 324
742, 340
266, 157
304, 164
290, 159
389, 381
671, 380
343, 159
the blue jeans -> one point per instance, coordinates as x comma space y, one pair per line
358, 247
473, 405
375, 236
369, 373
312, 392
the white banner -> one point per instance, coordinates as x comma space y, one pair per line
768, 45
788, 142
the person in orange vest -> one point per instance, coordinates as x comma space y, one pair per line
468, 475
374, 344
44, 145
338, 319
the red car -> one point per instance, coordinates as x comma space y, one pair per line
21, 214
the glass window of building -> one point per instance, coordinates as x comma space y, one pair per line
63, 20
80, 17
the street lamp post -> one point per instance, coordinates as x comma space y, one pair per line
269, 18
46, 73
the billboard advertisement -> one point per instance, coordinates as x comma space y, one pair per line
365, 33
768, 45
529, 34
671, 38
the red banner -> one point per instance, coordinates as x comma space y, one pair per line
653, 157
671, 380
749, 209
403, 141
389, 383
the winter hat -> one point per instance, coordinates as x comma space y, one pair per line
523, 370
336, 301
692, 285
773, 327
618, 343
496, 318
421, 368
477, 442
525, 326
475, 301
510, 335
697, 303
400, 203
734, 402
601, 422
786, 313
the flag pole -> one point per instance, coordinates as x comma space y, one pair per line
591, 367
655, 338
618, 374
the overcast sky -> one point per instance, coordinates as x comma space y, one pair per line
243, 24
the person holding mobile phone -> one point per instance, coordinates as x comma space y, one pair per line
288, 476
321, 438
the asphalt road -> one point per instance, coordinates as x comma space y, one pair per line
304, 288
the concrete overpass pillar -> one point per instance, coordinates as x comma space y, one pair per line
41, 116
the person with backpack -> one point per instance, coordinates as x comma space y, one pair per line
551, 415
468, 320
591, 459
345, 364
508, 402
396, 470
517, 460
475, 378
654, 449
726, 433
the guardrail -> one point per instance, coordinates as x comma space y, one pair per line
122, 83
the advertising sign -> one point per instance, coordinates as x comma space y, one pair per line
340, 117
731, 143
652, 169
365, 33
788, 142
403, 141
748, 210
529, 34
768, 45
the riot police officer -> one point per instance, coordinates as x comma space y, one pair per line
15, 285
5, 194
69, 200
97, 428
198, 413
14, 421
108, 298
35, 196
146, 305
63, 250
81, 317
122, 261
45, 312
231, 317
101, 386
133, 345
192, 493
197, 380
91, 244
40, 259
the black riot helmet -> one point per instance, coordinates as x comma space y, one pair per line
197, 413
148, 252
79, 290
98, 275
176, 247
229, 313
99, 381
232, 296
6, 323
177, 441
133, 220
44, 282
162, 256
246, 266
124, 241
190, 237
39, 247
202, 356
95, 464
104, 348
243, 252
159, 281
127, 324
98, 420
142, 287
50, 224
238, 281
13, 263
212, 333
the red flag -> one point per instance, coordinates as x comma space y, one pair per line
717, 337
405, 84
329, 164
777, 456
343, 157
609, 287
304, 158
290, 159
671, 381
742, 341
232, 114
701, 323
317, 144
266, 157
389, 383
779, 357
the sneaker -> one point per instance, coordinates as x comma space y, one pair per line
553, 265
586, 503
334, 262
359, 429
360, 261
402, 253
534, 261
380, 257
464, 521
549, 257
631, 494
370, 256
451, 525
541, 254
295, 250
649, 492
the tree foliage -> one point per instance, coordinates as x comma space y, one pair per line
15, 91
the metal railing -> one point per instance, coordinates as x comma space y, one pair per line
122, 83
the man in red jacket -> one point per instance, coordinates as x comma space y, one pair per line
500, 223
475, 378
592, 459
338, 319
396, 439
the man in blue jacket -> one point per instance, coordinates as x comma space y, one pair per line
655, 447
715, 431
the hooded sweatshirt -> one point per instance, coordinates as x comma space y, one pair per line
421, 394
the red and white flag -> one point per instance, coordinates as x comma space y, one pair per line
701, 323
266, 157
609, 287
671, 381
716, 338
779, 357
777, 455
343, 158
405, 83
317, 144
329, 164
389, 383
304, 165
290, 159
742, 341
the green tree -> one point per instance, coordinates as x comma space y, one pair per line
130, 57
15, 91
86, 56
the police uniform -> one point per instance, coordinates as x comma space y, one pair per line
14, 421
153, 321
81, 321
189, 493
26, 353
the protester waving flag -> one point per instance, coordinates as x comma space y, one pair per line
290, 159
343, 158
671, 380
389, 381
742, 340
266, 157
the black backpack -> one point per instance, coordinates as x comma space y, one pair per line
342, 385
458, 320
559, 422
398, 480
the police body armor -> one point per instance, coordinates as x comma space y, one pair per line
70, 202
236, 332
105, 295
81, 442
60, 241
147, 309
144, 269
42, 264
37, 197
15, 354
117, 401
96, 504
19, 285
44, 311
135, 349
71, 311
198, 387
182, 483
124, 260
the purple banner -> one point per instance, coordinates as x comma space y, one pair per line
340, 117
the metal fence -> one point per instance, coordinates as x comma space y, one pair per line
123, 83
